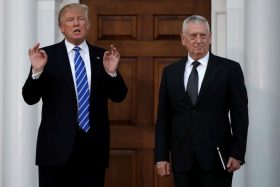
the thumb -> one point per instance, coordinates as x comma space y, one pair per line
229, 163
168, 169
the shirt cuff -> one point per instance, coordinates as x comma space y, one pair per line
113, 74
36, 75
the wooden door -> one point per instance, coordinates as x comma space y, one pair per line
147, 34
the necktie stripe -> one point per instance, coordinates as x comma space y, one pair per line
86, 126
84, 112
84, 118
83, 103
82, 87
80, 75
77, 58
83, 98
80, 71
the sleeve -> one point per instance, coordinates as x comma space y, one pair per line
117, 89
238, 113
162, 142
32, 90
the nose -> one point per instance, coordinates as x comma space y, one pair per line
198, 39
76, 21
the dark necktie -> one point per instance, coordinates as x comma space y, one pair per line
192, 87
82, 90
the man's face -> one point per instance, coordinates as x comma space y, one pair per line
74, 25
197, 40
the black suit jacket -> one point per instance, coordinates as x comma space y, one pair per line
58, 126
219, 119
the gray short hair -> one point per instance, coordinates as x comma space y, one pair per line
63, 10
195, 19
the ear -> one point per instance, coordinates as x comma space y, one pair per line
88, 24
210, 38
61, 28
183, 40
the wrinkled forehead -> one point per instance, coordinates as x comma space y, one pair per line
196, 27
73, 11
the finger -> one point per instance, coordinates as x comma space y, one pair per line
229, 163
114, 50
118, 54
168, 169
236, 166
233, 168
42, 53
107, 53
159, 171
34, 49
162, 172
165, 170
37, 45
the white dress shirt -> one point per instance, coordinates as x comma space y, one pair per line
201, 69
84, 52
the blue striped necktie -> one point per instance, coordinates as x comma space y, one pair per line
82, 90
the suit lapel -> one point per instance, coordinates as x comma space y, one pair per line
65, 69
179, 75
96, 61
209, 77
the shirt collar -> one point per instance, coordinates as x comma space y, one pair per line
70, 46
203, 61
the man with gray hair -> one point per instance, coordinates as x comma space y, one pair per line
74, 80
202, 120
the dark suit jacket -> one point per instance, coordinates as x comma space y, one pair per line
187, 131
58, 126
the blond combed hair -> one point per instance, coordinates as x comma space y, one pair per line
64, 9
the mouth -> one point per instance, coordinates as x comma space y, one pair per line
77, 31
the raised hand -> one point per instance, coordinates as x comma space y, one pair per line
38, 58
111, 60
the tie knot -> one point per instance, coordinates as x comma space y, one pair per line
76, 49
195, 64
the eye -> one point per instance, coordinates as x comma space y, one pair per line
81, 18
69, 19
203, 36
193, 36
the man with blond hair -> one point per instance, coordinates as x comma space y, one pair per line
74, 80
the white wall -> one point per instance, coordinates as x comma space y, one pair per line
252, 29
262, 62
1, 83
22, 24
18, 130
228, 41
219, 27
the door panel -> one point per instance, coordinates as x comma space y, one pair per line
147, 34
